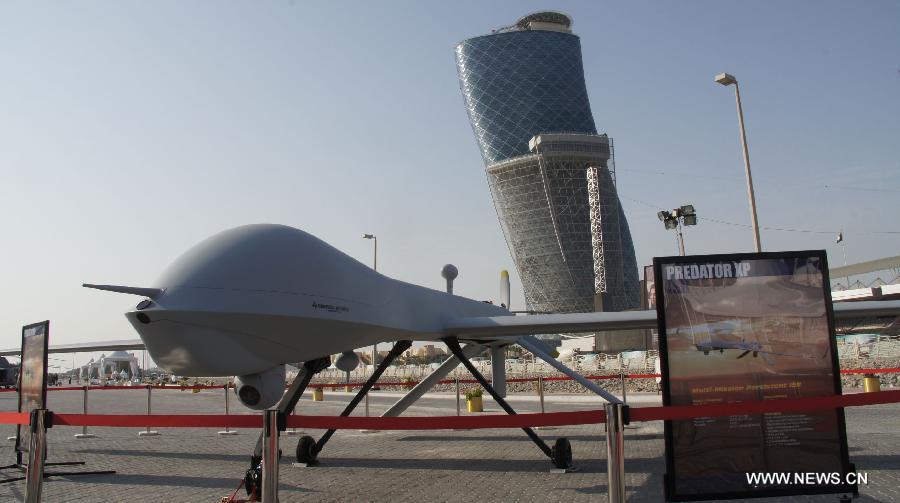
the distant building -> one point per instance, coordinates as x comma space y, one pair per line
551, 175
430, 351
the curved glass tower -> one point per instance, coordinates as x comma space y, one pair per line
551, 175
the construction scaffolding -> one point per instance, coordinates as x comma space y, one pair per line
542, 201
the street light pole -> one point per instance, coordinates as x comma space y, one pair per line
374, 237
375, 268
726, 79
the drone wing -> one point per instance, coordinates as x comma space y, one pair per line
86, 347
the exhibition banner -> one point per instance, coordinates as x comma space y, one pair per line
32, 377
749, 327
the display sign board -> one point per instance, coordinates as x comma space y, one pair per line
749, 327
32, 377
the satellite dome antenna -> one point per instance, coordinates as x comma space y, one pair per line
449, 272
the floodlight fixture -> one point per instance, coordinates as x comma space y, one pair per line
725, 79
673, 220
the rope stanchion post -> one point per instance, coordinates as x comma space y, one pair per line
615, 452
34, 475
270, 456
226, 431
541, 391
457, 396
291, 431
84, 432
148, 432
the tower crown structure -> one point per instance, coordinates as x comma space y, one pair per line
524, 90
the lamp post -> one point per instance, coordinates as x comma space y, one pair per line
375, 267
726, 80
372, 236
674, 219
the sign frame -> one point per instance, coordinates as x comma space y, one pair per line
669, 478
21, 448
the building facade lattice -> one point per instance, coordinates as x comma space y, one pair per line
526, 97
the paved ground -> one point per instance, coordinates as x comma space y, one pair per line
196, 465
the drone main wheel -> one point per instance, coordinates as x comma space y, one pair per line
561, 454
306, 450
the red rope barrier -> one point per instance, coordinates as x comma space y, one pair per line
447, 422
15, 418
167, 421
469, 422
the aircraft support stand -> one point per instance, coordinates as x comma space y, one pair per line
273, 423
308, 449
560, 454
253, 477
425, 385
498, 369
616, 419
534, 345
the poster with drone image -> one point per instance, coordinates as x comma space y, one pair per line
32, 378
744, 327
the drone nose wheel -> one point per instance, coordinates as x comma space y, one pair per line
306, 450
561, 454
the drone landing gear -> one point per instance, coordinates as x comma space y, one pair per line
307, 448
560, 454
253, 477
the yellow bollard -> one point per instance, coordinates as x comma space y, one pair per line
871, 383
318, 395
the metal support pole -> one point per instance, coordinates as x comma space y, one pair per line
84, 410
291, 431
453, 345
541, 391
428, 382
148, 432
615, 452
34, 475
752, 197
226, 431
270, 456
624, 392
531, 344
457, 396
398, 349
498, 369
367, 405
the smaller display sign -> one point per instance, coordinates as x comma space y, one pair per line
32, 377
746, 327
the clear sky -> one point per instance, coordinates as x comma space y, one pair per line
131, 130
